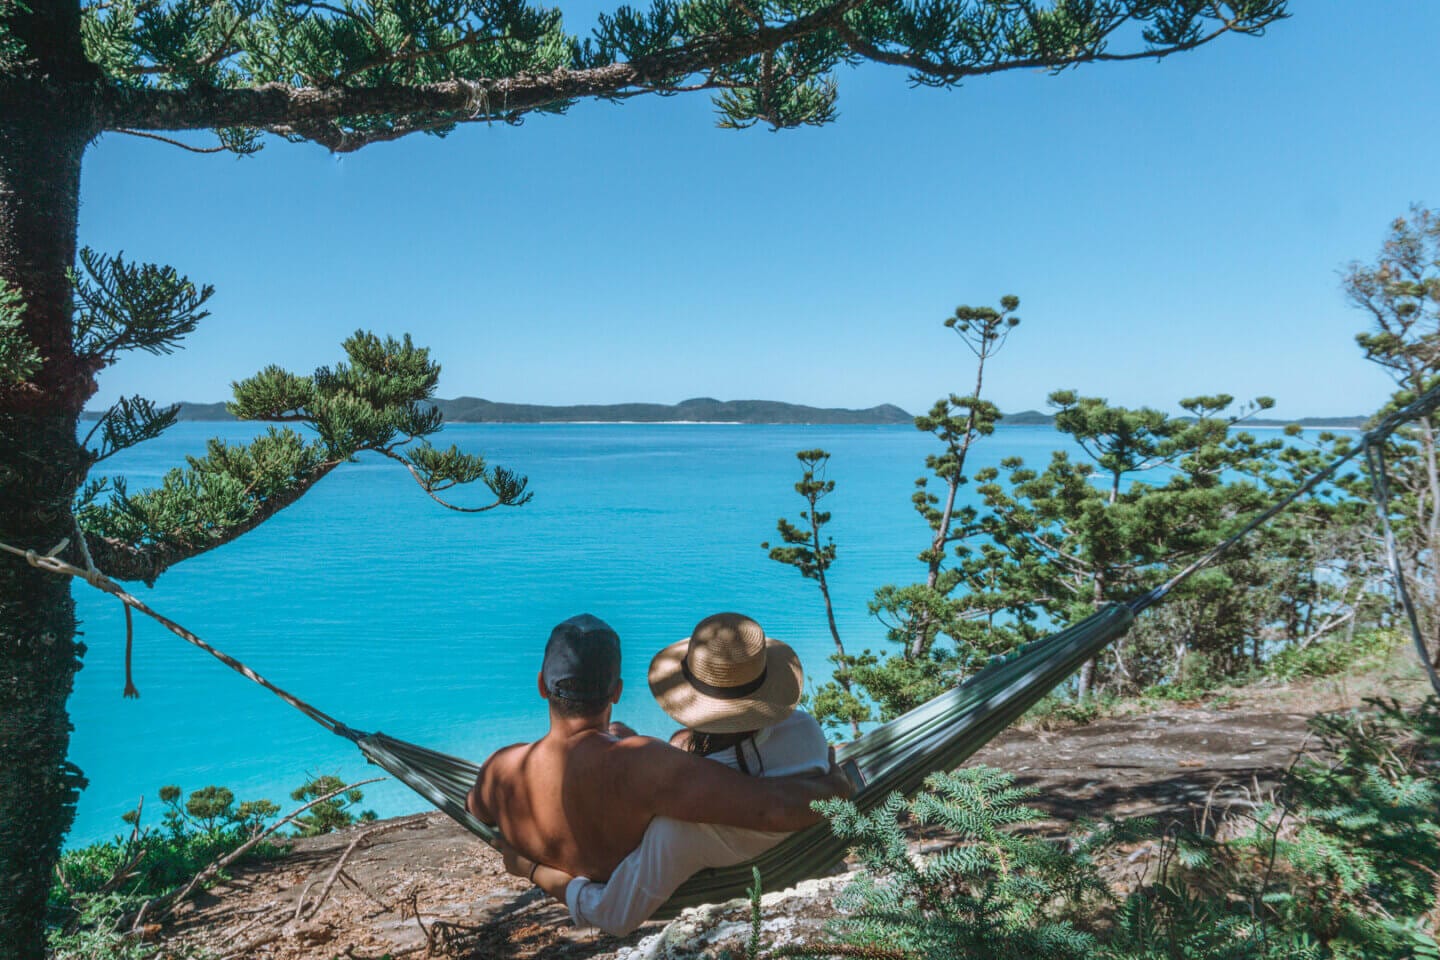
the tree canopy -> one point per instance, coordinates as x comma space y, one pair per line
352, 72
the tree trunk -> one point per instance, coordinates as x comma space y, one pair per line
41, 466
1087, 672
1086, 681
835, 634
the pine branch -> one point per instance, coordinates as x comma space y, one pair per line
376, 401
121, 305
130, 421
349, 73
317, 113
140, 538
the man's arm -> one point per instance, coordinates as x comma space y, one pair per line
667, 782
476, 800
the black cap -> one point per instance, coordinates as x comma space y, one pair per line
582, 659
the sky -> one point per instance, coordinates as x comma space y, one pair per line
1171, 228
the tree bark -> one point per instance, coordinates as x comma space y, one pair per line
41, 466
1086, 682
830, 608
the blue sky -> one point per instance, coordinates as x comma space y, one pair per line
1171, 228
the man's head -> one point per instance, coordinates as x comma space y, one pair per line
581, 673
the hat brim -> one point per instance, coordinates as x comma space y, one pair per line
775, 699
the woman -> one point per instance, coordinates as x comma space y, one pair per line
734, 690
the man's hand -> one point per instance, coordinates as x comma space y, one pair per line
837, 780
515, 864
549, 879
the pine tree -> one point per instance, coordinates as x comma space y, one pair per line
1078, 538
805, 550
953, 601
344, 75
957, 422
1400, 292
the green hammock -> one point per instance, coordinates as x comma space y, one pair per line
895, 757
937, 735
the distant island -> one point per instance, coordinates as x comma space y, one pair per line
1035, 418
703, 410
698, 410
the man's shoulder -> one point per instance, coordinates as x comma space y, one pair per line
633, 760
609, 749
504, 760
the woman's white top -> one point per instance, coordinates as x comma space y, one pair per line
673, 850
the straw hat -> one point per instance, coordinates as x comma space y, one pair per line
727, 677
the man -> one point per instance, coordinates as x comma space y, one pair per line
579, 799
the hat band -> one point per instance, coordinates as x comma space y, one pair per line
722, 693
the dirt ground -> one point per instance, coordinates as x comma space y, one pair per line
421, 886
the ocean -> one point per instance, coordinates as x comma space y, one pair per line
392, 613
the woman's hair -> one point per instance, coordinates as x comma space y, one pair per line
706, 744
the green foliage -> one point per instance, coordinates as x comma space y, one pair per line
1055, 711
12, 49
1400, 293
129, 421
1367, 845
836, 701
376, 401
203, 504
943, 625
121, 305
18, 356
99, 887
329, 815
1342, 865
999, 892
1075, 536
98, 929
804, 550
752, 947
1330, 657
896, 683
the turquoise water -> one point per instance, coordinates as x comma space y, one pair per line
392, 613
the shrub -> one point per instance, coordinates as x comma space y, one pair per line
998, 894
99, 888
1342, 864
1329, 657
332, 814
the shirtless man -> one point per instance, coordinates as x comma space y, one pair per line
579, 799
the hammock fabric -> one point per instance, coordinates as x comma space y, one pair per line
895, 757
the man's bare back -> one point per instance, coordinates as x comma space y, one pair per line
556, 800
580, 798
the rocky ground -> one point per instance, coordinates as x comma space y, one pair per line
421, 886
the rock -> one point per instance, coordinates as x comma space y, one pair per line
795, 915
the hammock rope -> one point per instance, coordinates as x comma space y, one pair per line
894, 757
52, 563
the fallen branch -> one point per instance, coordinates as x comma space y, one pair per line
300, 902
339, 867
